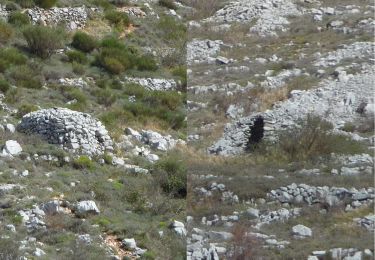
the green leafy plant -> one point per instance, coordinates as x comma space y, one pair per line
46, 4
19, 19
84, 42
42, 40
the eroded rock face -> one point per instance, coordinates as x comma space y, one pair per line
73, 131
335, 101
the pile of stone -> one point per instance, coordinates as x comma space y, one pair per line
367, 222
200, 51
154, 83
303, 193
73, 131
132, 11
154, 139
341, 253
74, 82
277, 81
74, 17
357, 50
270, 15
282, 214
335, 101
229, 88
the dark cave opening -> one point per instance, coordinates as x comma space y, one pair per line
255, 133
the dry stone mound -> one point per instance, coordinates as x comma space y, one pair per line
73, 131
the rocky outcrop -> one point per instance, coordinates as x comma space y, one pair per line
74, 131
11, 148
153, 83
335, 101
270, 15
74, 17
199, 51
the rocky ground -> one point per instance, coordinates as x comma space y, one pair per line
92, 129
280, 123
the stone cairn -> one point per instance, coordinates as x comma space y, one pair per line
73, 131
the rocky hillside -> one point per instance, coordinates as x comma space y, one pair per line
281, 128
92, 129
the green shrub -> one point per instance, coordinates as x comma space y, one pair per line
105, 97
9, 57
12, 96
119, 3
107, 158
75, 93
78, 68
171, 174
172, 29
84, 42
46, 4
43, 40
83, 162
112, 65
11, 6
180, 72
19, 19
77, 56
118, 19
115, 57
4, 85
6, 32
168, 4
26, 3
26, 76
25, 109
146, 62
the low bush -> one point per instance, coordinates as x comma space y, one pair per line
46, 4
168, 4
18, 19
77, 56
180, 71
73, 93
105, 97
6, 32
119, 3
26, 108
26, 3
171, 174
43, 40
172, 29
118, 19
9, 57
116, 57
78, 68
26, 76
84, 42
4, 85
12, 6
83, 162
146, 62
